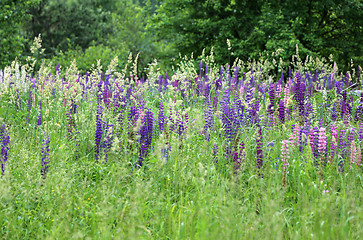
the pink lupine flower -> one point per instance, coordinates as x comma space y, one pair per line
353, 154
285, 154
312, 139
294, 137
322, 141
285, 159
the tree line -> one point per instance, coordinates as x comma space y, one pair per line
88, 30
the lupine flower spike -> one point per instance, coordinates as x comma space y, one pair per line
5, 141
45, 156
285, 159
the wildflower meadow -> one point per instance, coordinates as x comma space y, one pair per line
256, 150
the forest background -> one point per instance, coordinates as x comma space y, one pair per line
88, 30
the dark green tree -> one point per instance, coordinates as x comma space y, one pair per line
67, 24
12, 37
318, 27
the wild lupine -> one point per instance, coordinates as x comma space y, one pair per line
259, 145
342, 141
295, 136
285, 159
146, 135
361, 131
282, 112
237, 162
45, 156
239, 110
353, 154
271, 109
350, 136
99, 132
161, 117
107, 143
322, 142
227, 117
180, 124
5, 141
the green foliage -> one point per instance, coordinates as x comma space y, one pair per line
319, 28
12, 39
68, 24
85, 59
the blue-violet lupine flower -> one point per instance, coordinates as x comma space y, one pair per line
99, 132
259, 145
5, 141
45, 156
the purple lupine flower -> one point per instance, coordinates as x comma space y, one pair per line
200, 68
361, 131
40, 113
271, 92
342, 141
215, 101
302, 98
297, 87
107, 143
133, 116
322, 142
228, 117
146, 135
180, 124
219, 81
161, 117
350, 136
5, 141
344, 103
237, 162
282, 111
259, 152
239, 111
45, 156
99, 132
254, 112
358, 75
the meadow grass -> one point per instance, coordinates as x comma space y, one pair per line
193, 193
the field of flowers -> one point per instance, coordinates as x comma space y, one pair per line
231, 152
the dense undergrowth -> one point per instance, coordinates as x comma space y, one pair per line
211, 153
